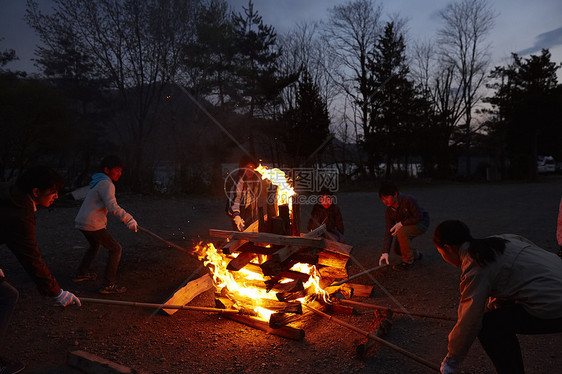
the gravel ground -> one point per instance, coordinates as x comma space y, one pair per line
192, 342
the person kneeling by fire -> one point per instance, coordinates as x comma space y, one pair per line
508, 286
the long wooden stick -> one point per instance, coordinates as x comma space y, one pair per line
373, 306
358, 275
175, 246
159, 306
374, 337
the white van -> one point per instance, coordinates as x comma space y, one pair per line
546, 164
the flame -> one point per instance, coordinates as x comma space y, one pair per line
278, 178
240, 287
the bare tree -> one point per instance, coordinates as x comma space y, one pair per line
135, 45
464, 54
351, 32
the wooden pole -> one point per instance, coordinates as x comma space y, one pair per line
358, 275
373, 306
160, 306
175, 246
374, 337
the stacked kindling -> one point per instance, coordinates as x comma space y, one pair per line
274, 256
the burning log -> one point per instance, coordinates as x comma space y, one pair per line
381, 326
189, 291
332, 259
278, 320
291, 286
240, 261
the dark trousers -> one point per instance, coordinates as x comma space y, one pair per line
97, 239
8, 299
499, 340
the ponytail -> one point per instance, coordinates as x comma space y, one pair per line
454, 232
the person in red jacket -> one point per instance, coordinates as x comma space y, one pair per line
405, 219
37, 186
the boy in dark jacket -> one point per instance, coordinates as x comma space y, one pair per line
405, 219
37, 186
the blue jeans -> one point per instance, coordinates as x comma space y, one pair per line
97, 239
8, 299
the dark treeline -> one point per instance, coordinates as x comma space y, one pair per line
177, 88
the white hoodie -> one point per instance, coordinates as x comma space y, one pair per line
100, 200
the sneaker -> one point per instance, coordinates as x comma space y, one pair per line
85, 277
11, 367
112, 288
402, 266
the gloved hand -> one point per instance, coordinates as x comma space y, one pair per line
384, 257
65, 298
132, 225
449, 365
395, 228
239, 222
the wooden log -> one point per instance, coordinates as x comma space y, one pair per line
239, 262
292, 286
233, 245
317, 232
360, 290
284, 215
258, 249
332, 259
259, 237
381, 327
285, 331
189, 291
305, 258
292, 274
271, 304
272, 267
296, 222
284, 253
289, 251
340, 309
334, 273
337, 247
278, 320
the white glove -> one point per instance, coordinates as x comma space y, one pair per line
449, 365
395, 228
132, 225
65, 298
384, 257
239, 222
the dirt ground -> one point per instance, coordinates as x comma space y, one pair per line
193, 342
